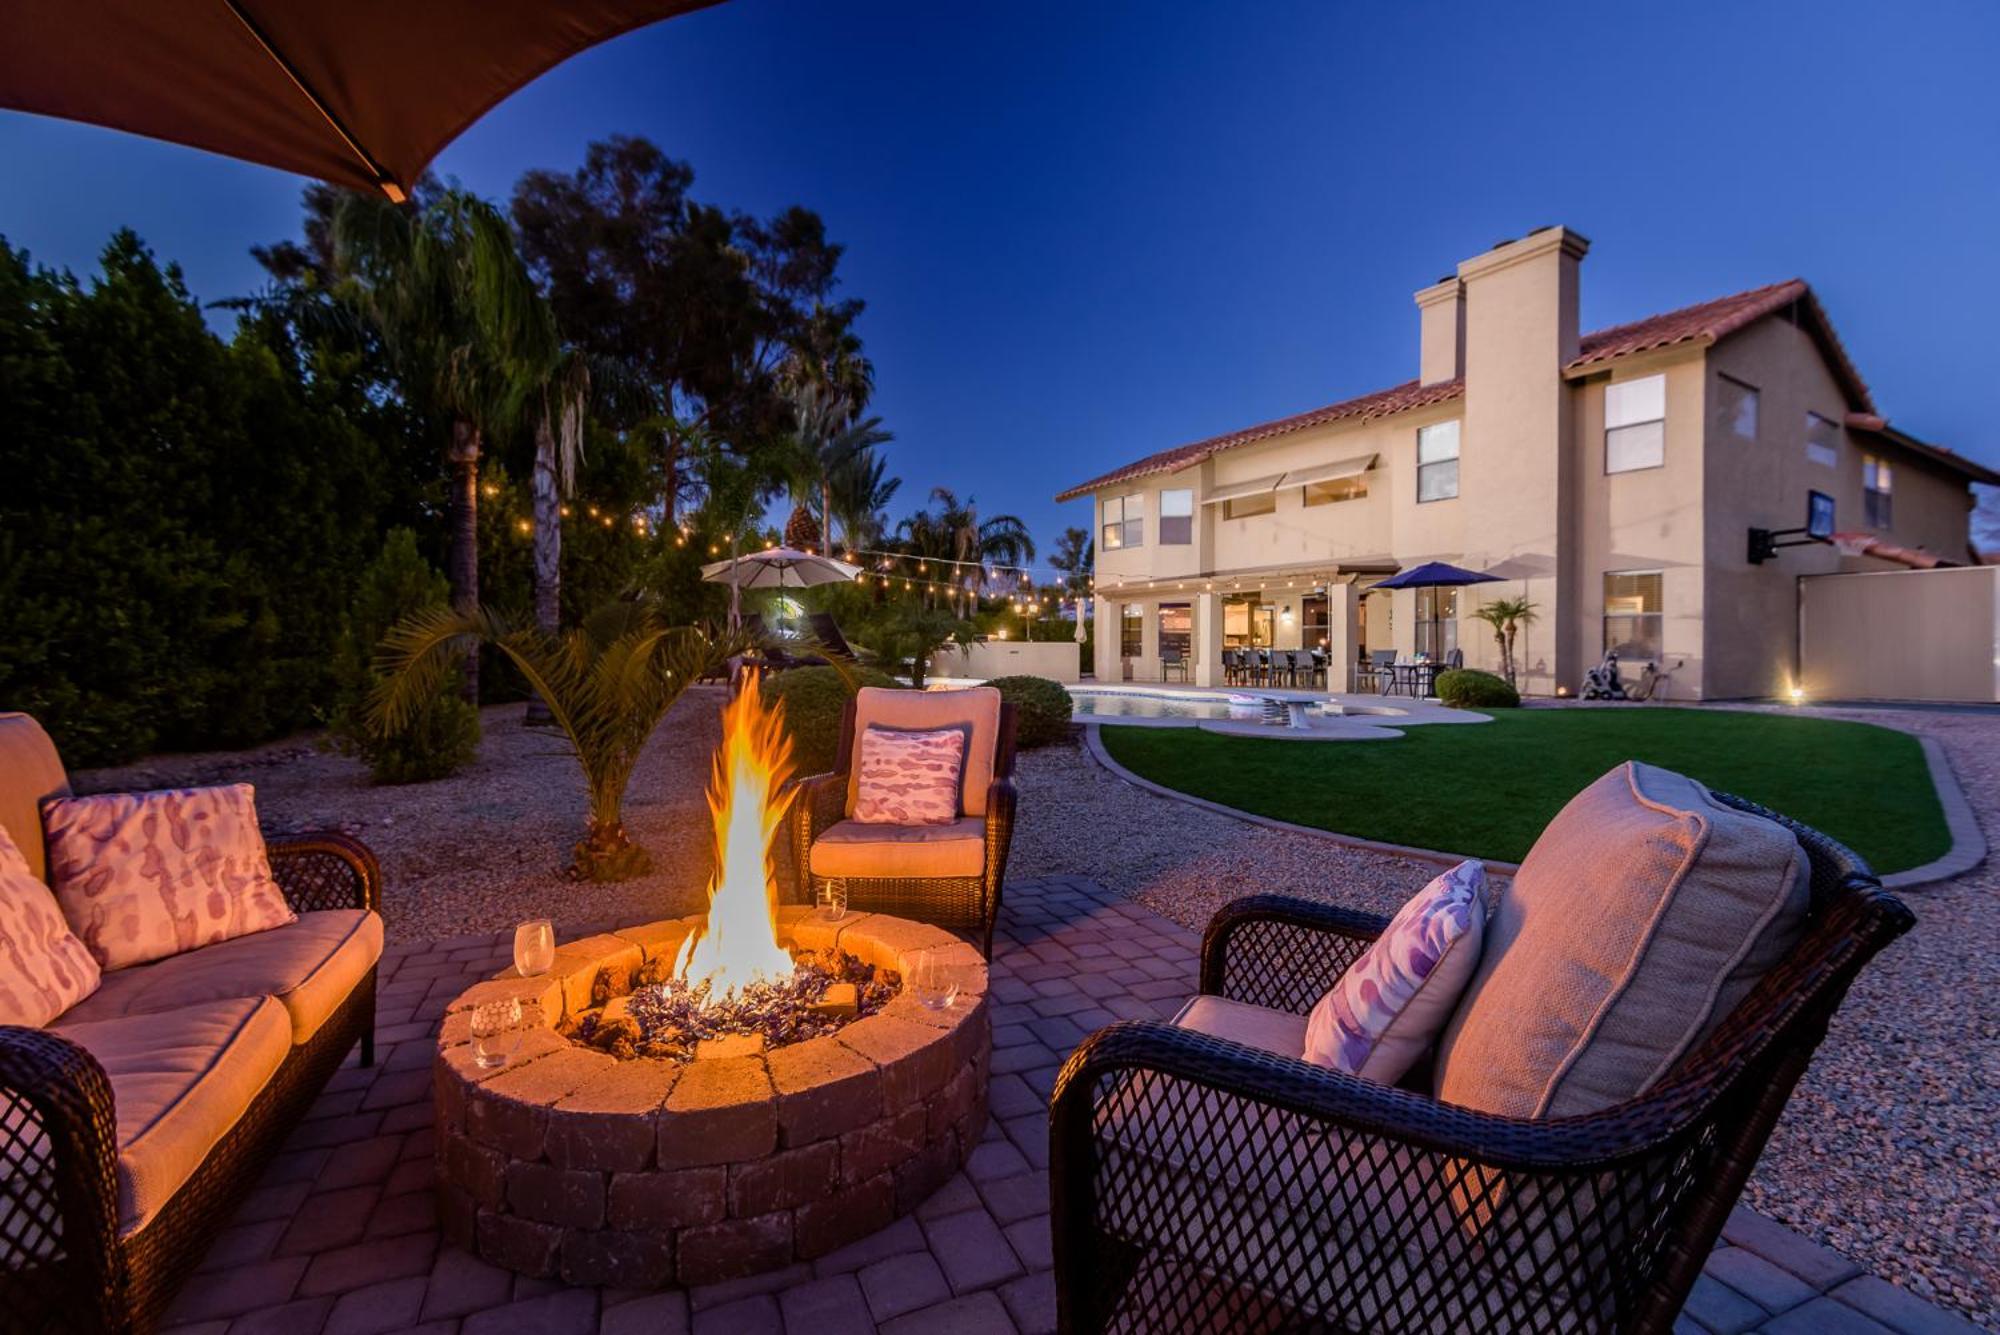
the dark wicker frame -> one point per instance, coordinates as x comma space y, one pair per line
962, 903
63, 1266
1320, 1201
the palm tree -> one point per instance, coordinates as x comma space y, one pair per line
1507, 616
826, 437
608, 686
861, 491
447, 293
1076, 557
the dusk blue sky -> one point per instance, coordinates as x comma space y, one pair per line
1086, 232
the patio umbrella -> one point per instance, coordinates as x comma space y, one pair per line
1433, 575
775, 568
361, 93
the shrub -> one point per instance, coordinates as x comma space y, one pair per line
1469, 688
813, 698
443, 732
1041, 709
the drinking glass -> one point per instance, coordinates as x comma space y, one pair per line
496, 1033
831, 898
534, 947
933, 981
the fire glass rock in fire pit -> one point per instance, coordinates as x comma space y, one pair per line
653, 1171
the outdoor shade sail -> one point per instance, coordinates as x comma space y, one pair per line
1434, 575
1256, 486
361, 93
1305, 477
779, 568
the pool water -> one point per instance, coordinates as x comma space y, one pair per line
1142, 704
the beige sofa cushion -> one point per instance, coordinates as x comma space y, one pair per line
310, 967
923, 711
30, 770
1278, 1032
1642, 915
850, 848
180, 1080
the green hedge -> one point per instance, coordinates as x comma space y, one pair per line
1042, 709
813, 698
1469, 688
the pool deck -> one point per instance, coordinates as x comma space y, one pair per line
1368, 717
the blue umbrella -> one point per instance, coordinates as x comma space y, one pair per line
1434, 575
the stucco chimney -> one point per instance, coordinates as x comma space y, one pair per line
1441, 340
1531, 283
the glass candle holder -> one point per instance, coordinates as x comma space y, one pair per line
534, 947
495, 1032
831, 899
933, 982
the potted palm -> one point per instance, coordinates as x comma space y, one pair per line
607, 686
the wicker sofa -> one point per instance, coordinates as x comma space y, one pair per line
132, 1126
1202, 1183
948, 875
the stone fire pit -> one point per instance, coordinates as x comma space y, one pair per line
643, 1173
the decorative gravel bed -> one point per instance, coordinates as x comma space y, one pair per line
1887, 1153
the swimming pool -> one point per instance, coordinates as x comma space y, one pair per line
1154, 704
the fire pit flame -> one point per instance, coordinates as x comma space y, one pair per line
739, 944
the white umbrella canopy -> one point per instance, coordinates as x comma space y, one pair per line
775, 568
779, 568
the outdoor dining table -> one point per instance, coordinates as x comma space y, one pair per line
1412, 679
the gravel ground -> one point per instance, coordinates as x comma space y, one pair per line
1887, 1152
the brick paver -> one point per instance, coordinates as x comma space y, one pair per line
341, 1237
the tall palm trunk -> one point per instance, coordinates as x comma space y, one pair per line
548, 551
463, 565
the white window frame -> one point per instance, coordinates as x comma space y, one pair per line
1432, 443
1878, 491
1635, 424
1659, 618
1183, 496
1129, 523
1826, 456
1254, 504
1752, 396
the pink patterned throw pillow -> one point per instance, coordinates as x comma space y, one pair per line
1395, 1000
44, 968
145, 875
909, 778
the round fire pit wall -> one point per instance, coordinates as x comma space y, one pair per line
645, 1173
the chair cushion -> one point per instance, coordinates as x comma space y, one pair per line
900, 852
1279, 1032
30, 770
908, 778
44, 968
141, 876
915, 711
1392, 1003
180, 1080
1642, 915
310, 966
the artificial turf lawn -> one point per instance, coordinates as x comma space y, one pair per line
1487, 789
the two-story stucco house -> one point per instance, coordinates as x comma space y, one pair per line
1611, 477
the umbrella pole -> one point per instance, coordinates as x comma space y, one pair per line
735, 585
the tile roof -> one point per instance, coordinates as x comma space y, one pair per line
1711, 321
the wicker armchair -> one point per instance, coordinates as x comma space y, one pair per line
63, 1265
967, 903
1317, 1200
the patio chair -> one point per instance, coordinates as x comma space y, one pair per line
950, 875
1311, 1199
831, 642
1173, 661
1232, 667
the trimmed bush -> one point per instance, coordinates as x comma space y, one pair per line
1469, 688
813, 698
443, 733
1042, 709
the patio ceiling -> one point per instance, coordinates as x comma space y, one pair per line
1302, 578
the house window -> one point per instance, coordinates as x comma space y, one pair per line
1822, 440
1632, 614
1176, 518
1176, 632
1877, 484
1437, 622
1124, 522
1131, 630
1313, 620
1635, 424
1256, 503
1336, 489
1736, 407
1437, 462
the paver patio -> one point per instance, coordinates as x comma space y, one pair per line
341, 1237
